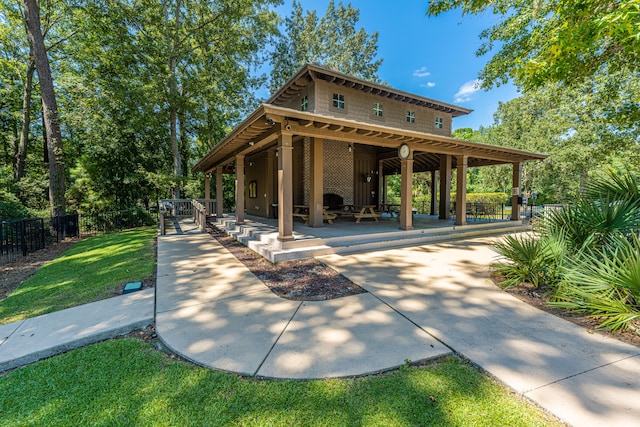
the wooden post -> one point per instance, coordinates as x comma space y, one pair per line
285, 187
461, 190
219, 193
240, 189
207, 192
382, 183
515, 192
445, 186
316, 210
406, 193
434, 196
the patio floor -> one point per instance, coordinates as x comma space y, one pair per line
347, 236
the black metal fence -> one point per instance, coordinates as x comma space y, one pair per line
27, 235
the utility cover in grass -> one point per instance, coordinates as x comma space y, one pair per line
131, 287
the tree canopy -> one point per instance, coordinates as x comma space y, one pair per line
566, 41
331, 40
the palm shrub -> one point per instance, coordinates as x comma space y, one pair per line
589, 252
530, 258
605, 284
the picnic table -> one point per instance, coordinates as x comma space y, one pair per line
302, 212
367, 211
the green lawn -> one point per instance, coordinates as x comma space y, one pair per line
89, 271
128, 382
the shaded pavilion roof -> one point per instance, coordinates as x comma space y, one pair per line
260, 130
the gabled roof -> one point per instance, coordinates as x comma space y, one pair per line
314, 72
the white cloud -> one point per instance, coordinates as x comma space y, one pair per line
467, 91
421, 72
428, 84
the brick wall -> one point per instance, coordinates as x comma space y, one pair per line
338, 170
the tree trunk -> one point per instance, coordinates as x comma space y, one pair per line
183, 142
49, 107
173, 41
21, 152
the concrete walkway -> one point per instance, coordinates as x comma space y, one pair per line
423, 302
33, 339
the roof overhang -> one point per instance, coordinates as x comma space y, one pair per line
262, 128
312, 72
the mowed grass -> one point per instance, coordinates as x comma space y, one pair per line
89, 271
128, 382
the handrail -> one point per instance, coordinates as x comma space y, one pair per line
199, 215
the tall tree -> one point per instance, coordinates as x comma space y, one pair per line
564, 41
331, 40
50, 109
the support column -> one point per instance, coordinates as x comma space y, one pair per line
240, 189
515, 191
434, 194
207, 193
382, 183
445, 186
406, 193
316, 217
285, 187
269, 186
461, 190
219, 194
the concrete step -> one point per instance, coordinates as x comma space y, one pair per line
263, 239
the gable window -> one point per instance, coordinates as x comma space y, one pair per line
411, 116
304, 104
377, 109
338, 101
438, 122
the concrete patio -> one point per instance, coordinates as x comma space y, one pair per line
346, 236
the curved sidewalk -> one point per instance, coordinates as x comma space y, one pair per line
423, 302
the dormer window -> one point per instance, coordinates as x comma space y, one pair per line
438, 122
338, 101
377, 109
411, 116
304, 103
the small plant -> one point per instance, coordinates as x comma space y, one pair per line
530, 259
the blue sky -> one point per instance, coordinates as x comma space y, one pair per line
431, 57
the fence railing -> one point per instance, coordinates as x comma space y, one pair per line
184, 207
27, 235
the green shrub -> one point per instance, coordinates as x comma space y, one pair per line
11, 207
605, 284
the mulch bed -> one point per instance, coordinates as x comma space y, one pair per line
302, 280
